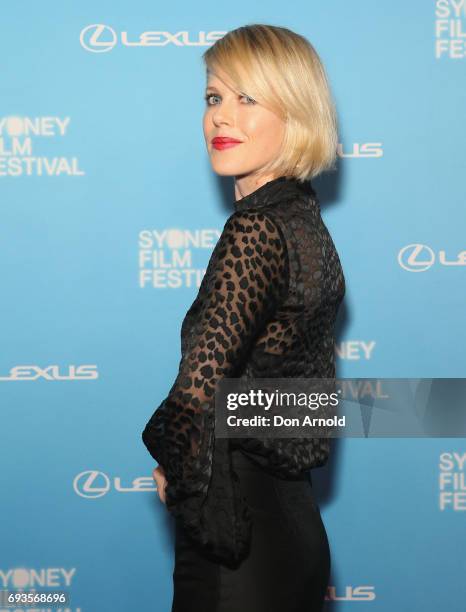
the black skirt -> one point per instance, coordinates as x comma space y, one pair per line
288, 565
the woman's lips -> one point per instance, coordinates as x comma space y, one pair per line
224, 143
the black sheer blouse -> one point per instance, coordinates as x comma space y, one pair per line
266, 308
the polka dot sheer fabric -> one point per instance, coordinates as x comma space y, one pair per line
266, 308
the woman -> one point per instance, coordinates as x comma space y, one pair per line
249, 534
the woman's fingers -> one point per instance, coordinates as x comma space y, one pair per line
162, 490
160, 480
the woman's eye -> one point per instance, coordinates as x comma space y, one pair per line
207, 98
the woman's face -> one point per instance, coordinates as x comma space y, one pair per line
232, 115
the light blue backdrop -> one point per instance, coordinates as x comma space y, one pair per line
108, 201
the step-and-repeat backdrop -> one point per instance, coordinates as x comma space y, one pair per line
109, 212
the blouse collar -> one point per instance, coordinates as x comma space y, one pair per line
274, 190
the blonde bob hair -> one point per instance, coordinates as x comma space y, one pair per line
282, 71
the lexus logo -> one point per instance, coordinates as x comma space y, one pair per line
416, 257
98, 38
91, 484
420, 257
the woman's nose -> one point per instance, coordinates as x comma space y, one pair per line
224, 114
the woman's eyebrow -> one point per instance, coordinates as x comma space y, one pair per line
210, 88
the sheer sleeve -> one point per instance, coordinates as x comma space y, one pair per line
245, 280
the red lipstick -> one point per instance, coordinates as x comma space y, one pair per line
223, 142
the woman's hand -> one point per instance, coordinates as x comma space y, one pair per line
161, 482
